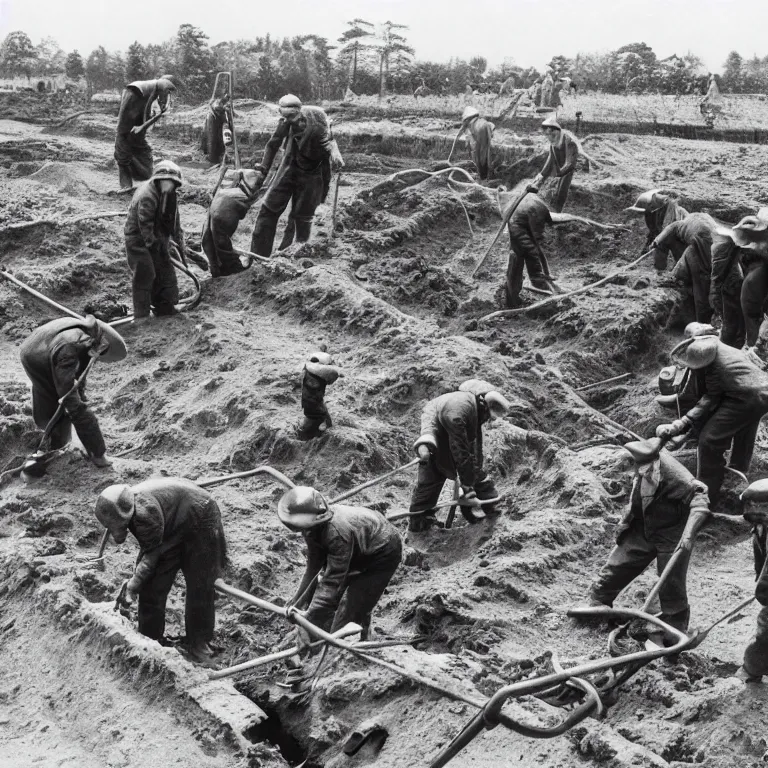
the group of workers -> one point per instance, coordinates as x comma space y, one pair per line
352, 550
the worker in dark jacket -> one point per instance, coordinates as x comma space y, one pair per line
319, 372
54, 356
178, 526
667, 508
354, 550
755, 500
561, 161
309, 144
228, 209
132, 152
659, 211
480, 132
152, 229
725, 287
692, 239
735, 399
451, 446
217, 130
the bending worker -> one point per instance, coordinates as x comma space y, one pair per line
356, 549
309, 144
132, 151
54, 356
178, 526
319, 372
735, 399
725, 287
561, 162
659, 210
152, 228
480, 132
451, 445
667, 508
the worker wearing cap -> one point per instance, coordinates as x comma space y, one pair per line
319, 371
451, 445
54, 356
735, 400
725, 287
178, 527
561, 161
667, 507
309, 143
152, 229
691, 238
659, 210
755, 499
228, 208
354, 550
132, 152
480, 133
217, 130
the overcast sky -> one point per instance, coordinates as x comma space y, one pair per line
528, 31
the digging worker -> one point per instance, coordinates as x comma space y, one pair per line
735, 399
217, 131
132, 151
691, 238
480, 132
309, 144
54, 357
319, 372
152, 228
451, 445
667, 508
659, 210
755, 498
354, 550
178, 527
725, 287
561, 162
228, 209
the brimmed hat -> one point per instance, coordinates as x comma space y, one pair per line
497, 404
695, 353
166, 169
644, 451
650, 200
172, 79
752, 231
303, 508
248, 179
699, 329
321, 365
551, 122
117, 349
114, 510
757, 491
476, 386
468, 113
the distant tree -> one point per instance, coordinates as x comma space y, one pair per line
733, 75
74, 67
355, 47
194, 61
561, 65
97, 70
17, 54
50, 58
394, 52
136, 67
478, 65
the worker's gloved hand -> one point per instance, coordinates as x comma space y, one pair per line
469, 497
423, 454
667, 431
126, 599
337, 161
303, 639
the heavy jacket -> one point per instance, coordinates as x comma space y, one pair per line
308, 142
451, 425
562, 157
147, 224
211, 139
662, 217
347, 544
228, 209
481, 139
727, 276
136, 104
694, 231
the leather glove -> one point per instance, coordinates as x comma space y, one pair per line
666, 431
423, 454
126, 599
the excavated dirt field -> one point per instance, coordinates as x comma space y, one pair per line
217, 390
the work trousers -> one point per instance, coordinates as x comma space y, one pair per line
154, 278
198, 557
733, 330
733, 422
633, 554
217, 245
304, 190
560, 196
134, 158
756, 653
365, 588
754, 291
525, 252
690, 271
481, 154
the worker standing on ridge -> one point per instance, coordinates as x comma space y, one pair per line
451, 445
735, 400
228, 208
152, 228
725, 287
547, 87
480, 132
692, 239
319, 372
561, 162
755, 663
178, 526
355, 551
309, 143
132, 152
659, 210
667, 508
54, 356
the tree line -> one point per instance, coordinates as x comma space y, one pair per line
367, 58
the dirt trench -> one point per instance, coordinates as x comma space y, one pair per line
218, 390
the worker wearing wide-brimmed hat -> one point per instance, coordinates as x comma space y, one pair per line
480, 133
735, 399
667, 507
54, 356
178, 526
319, 371
451, 446
659, 210
355, 551
561, 161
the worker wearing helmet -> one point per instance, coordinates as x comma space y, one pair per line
659, 210
152, 229
132, 151
480, 132
309, 144
319, 372
561, 161
355, 551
